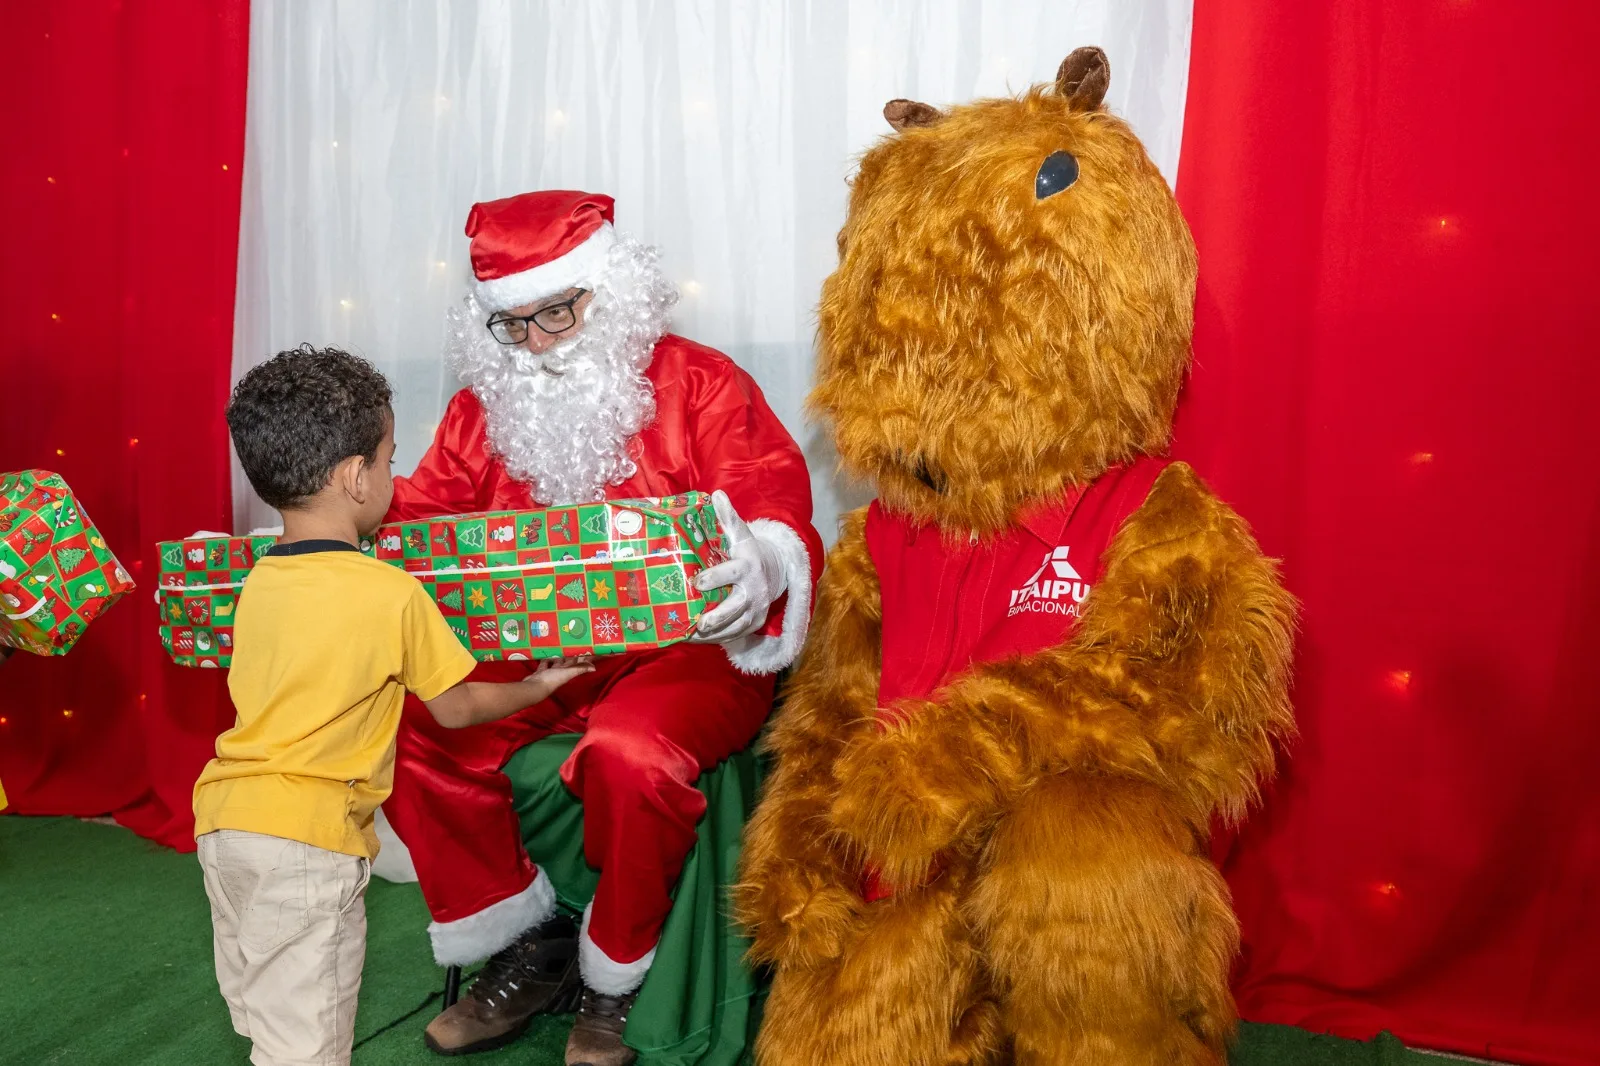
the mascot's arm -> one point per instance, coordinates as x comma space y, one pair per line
447, 479
1178, 674
798, 888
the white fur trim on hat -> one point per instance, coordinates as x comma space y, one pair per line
603, 973
477, 936
581, 264
761, 654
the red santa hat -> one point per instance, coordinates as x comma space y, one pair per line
527, 247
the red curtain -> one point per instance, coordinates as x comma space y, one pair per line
1396, 382
123, 128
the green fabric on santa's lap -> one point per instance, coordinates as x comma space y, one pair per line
700, 1004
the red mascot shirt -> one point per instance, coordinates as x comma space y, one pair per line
951, 605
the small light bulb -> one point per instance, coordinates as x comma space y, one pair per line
692, 288
66, 714
52, 181
346, 304
1421, 458
224, 166
4, 720
441, 264
558, 117
133, 442
336, 144
1400, 681
60, 452
54, 317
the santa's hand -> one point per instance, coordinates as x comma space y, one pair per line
754, 571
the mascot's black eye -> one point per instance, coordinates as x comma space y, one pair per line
1057, 172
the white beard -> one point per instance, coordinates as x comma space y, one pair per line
564, 421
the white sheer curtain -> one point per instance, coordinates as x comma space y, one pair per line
725, 130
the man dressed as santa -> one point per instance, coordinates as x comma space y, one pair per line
577, 392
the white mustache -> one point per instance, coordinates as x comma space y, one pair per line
557, 361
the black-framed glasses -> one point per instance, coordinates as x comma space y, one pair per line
555, 320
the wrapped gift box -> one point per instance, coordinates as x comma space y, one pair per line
198, 587
56, 573
601, 578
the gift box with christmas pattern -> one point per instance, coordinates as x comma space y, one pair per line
600, 578
197, 591
56, 573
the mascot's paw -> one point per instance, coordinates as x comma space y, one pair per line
793, 917
906, 794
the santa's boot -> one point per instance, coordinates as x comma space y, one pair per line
536, 974
596, 1038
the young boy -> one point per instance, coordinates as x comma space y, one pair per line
326, 643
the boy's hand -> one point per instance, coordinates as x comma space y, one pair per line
551, 674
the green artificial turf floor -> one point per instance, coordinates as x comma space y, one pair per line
105, 960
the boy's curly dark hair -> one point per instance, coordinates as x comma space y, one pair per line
300, 414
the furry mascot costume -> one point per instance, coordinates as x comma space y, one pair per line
985, 836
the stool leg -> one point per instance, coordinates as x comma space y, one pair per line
452, 986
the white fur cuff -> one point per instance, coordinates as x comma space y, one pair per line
760, 654
477, 936
604, 974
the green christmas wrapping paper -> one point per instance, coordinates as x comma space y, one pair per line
56, 573
602, 578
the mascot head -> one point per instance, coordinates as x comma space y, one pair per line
1013, 304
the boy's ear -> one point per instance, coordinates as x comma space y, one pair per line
351, 477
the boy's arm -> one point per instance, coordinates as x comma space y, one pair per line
436, 668
475, 702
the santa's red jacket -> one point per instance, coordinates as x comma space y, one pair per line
713, 430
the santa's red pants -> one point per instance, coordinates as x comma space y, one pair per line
652, 722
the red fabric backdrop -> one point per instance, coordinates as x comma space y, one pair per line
123, 132
1396, 382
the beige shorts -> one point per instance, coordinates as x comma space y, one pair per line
290, 925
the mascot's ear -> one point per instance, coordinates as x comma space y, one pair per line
1084, 77
903, 114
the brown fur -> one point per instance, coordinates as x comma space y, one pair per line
1003, 348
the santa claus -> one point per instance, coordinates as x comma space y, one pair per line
577, 392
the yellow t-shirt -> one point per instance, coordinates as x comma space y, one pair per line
326, 642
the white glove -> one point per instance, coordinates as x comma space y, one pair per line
754, 570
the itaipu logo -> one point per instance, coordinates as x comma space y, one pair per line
1056, 588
